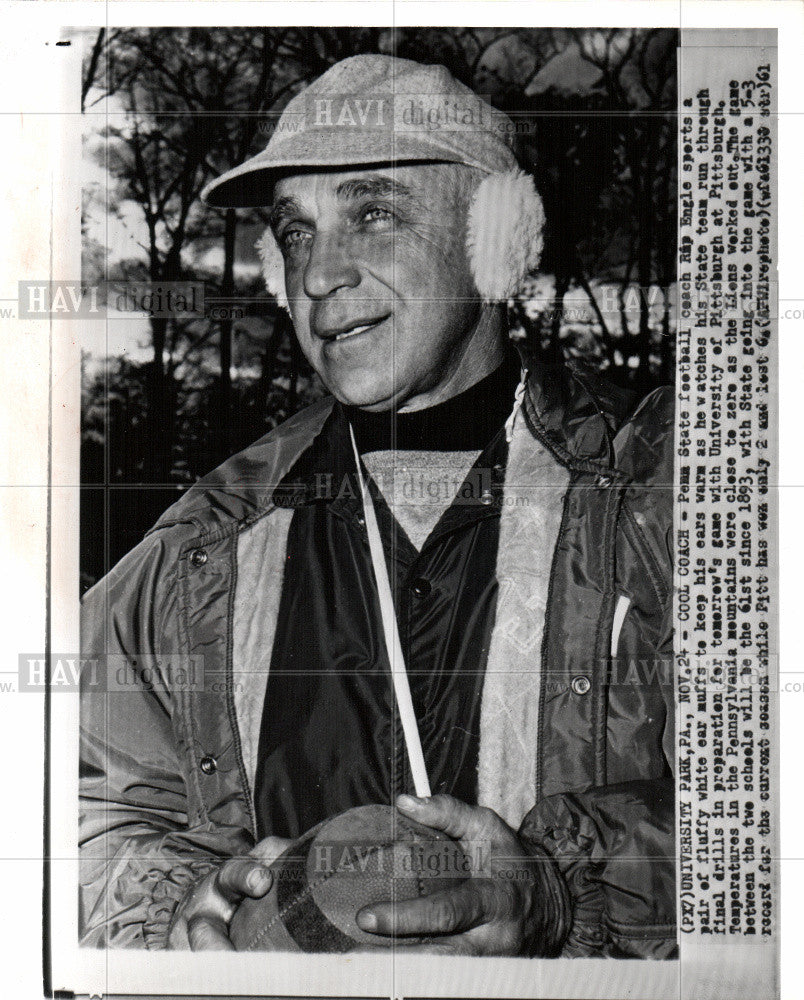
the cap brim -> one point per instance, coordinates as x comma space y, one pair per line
251, 184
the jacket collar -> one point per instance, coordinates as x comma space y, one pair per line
571, 410
242, 488
575, 413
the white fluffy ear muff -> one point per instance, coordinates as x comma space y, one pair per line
504, 234
273, 267
504, 239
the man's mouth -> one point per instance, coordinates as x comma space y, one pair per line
353, 329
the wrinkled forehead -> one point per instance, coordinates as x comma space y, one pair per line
421, 183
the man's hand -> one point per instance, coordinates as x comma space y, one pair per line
495, 912
201, 921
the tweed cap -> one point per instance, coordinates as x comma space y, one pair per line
372, 110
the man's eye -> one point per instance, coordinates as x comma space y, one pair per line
376, 213
291, 238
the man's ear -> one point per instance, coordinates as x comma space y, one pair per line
504, 234
273, 268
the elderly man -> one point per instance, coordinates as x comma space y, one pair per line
524, 516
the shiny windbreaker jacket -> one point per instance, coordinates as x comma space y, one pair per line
576, 729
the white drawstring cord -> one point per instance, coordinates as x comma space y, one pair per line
393, 646
519, 395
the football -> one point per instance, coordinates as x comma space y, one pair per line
365, 855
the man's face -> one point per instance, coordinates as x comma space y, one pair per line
378, 278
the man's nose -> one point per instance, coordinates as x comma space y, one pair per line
330, 266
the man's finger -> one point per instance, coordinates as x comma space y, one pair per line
269, 849
453, 817
178, 938
451, 911
243, 877
208, 934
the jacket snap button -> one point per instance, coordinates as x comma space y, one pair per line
208, 765
421, 587
603, 482
198, 557
486, 497
581, 684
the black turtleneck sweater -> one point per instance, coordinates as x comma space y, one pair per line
330, 736
419, 460
466, 422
